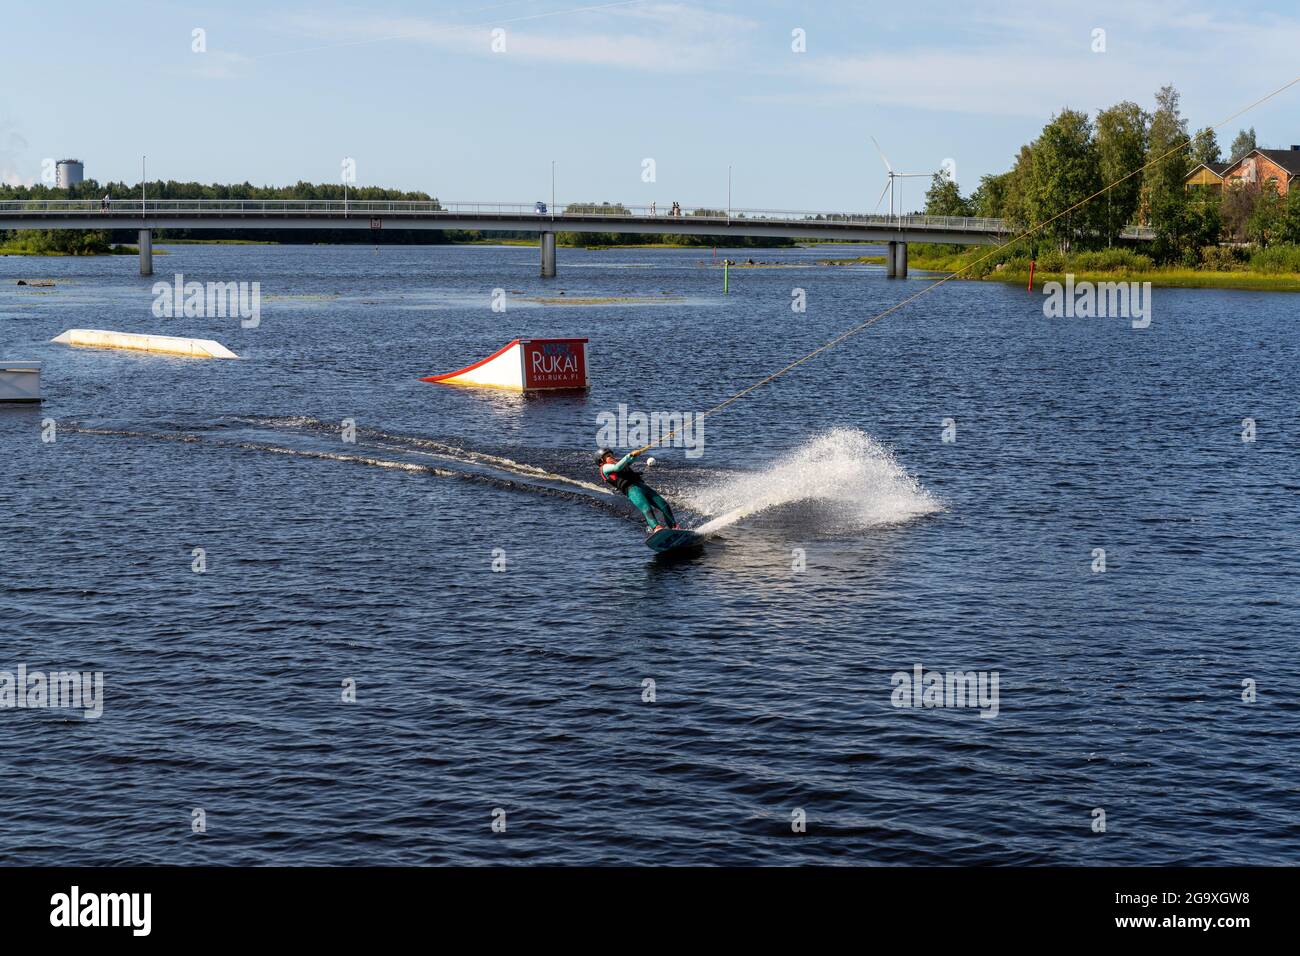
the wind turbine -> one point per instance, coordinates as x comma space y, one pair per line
889, 186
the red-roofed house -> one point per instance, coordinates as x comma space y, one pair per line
1280, 167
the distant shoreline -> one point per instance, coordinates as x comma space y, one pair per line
1244, 279
19, 249
1162, 278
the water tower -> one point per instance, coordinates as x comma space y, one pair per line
68, 172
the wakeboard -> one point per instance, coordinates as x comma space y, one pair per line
673, 539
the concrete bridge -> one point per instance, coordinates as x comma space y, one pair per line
895, 232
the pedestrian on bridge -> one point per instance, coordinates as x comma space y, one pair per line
104, 203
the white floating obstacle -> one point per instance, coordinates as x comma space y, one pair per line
168, 344
527, 365
20, 381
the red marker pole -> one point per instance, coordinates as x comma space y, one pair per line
1031, 275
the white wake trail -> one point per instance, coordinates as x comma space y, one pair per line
853, 480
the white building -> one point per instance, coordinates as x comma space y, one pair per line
68, 172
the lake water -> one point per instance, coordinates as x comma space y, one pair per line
876, 546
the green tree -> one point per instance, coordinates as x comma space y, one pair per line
1242, 145
944, 198
1267, 220
1121, 149
1065, 172
1204, 227
63, 242
1164, 180
1016, 205
1236, 208
1289, 230
989, 198
1205, 148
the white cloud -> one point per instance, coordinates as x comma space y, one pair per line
12, 147
1026, 84
219, 65
647, 37
1017, 62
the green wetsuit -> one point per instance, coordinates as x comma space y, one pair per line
628, 482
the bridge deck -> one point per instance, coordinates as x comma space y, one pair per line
491, 216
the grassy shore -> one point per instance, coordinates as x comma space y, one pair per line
644, 245
484, 241
213, 242
855, 261
1109, 266
1266, 272
26, 249
1173, 278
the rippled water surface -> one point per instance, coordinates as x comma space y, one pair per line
524, 690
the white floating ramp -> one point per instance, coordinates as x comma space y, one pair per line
20, 381
526, 365
138, 342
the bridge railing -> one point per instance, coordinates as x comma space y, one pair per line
122, 208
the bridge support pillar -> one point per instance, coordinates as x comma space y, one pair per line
548, 255
900, 261
891, 259
146, 252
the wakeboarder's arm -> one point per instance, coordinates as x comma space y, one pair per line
618, 465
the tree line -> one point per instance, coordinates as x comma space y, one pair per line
74, 242
1148, 156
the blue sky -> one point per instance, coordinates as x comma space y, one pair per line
416, 95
